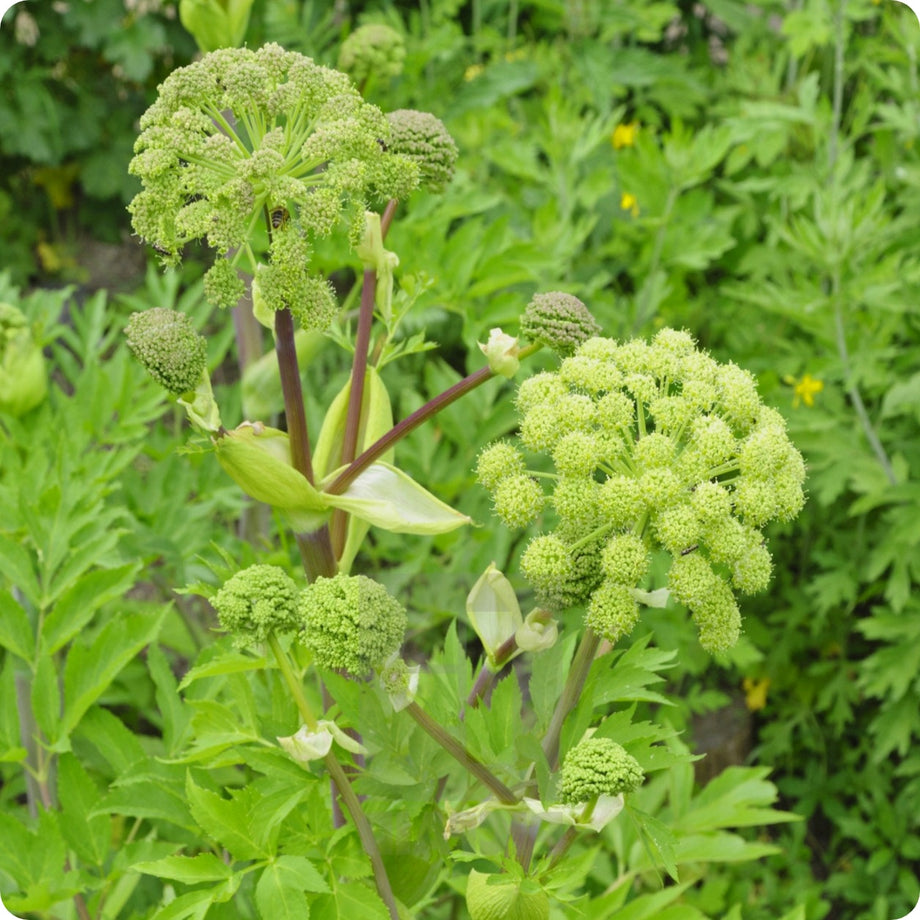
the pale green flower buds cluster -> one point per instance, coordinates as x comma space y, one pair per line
373, 50
351, 622
424, 139
242, 136
654, 445
23, 376
256, 602
560, 321
167, 345
596, 767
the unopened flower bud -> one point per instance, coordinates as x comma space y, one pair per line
23, 378
494, 613
558, 320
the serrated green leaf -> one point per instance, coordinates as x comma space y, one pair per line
176, 717
118, 746
15, 629
46, 698
550, 669
280, 889
16, 565
88, 836
657, 839
225, 820
223, 661
347, 901
91, 668
205, 867
720, 847
77, 604
737, 797
191, 906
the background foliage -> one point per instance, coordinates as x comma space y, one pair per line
748, 172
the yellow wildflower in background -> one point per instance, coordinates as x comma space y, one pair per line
624, 135
629, 202
805, 389
755, 692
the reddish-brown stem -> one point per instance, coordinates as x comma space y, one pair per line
388, 212
408, 424
293, 394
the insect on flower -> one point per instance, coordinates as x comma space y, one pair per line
279, 218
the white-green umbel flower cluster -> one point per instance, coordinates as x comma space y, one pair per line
653, 445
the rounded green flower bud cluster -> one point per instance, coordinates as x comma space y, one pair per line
595, 767
241, 137
255, 602
372, 50
351, 622
167, 345
424, 139
655, 445
558, 320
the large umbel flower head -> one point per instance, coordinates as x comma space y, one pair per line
243, 136
655, 445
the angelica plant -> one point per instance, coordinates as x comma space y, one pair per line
647, 448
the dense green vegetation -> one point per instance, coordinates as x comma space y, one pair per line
749, 173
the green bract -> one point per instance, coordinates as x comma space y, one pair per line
256, 602
595, 767
655, 445
242, 136
350, 622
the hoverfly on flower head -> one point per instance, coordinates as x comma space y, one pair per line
279, 218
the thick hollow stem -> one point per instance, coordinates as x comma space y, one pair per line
293, 394
462, 755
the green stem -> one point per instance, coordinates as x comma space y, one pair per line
462, 755
571, 692
411, 422
337, 774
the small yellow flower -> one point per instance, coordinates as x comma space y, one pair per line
473, 71
805, 390
629, 202
624, 135
755, 692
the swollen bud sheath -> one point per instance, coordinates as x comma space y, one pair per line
23, 379
258, 460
